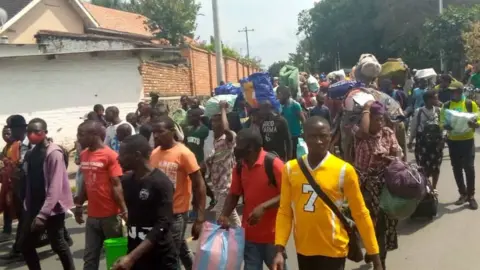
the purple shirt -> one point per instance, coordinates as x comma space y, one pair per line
58, 195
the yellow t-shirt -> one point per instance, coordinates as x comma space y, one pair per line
316, 228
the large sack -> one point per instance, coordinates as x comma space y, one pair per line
257, 88
219, 249
289, 77
393, 108
394, 69
405, 180
212, 106
459, 121
339, 90
367, 68
396, 207
313, 84
228, 89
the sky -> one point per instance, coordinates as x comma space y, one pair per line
274, 22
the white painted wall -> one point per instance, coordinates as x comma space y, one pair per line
64, 89
18, 49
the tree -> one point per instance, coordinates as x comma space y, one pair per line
274, 69
472, 42
444, 33
169, 19
115, 4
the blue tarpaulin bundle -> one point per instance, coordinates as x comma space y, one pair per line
262, 89
228, 89
339, 90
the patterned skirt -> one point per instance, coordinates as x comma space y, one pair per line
371, 184
429, 155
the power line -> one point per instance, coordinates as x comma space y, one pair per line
246, 30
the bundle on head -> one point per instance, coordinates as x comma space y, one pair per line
367, 68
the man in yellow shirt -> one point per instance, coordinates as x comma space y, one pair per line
461, 146
321, 240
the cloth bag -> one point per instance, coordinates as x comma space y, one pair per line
396, 207
219, 249
405, 180
212, 106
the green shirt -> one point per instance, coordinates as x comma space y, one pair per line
194, 140
475, 80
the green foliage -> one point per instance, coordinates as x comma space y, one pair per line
386, 28
445, 33
274, 69
472, 42
115, 4
230, 52
169, 19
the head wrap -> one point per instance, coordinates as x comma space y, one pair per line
377, 108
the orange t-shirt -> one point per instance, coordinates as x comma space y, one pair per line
98, 167
177, 163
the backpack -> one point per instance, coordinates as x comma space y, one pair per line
431, 130
268, 161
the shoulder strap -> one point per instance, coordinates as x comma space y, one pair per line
419, 117
446, 105
324, 196
468, 105
269, 158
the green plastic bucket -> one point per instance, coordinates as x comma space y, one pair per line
114, 249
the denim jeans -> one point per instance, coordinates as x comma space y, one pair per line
55, 227
256, 254
97, 230
178, 232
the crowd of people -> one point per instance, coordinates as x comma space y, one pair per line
151, 171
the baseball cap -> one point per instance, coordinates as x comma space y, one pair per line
455, 85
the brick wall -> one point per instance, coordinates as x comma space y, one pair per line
167, 80
199, 78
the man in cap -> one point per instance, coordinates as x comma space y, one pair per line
461, 145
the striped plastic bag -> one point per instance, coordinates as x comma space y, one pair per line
219, 249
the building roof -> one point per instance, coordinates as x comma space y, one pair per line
95, 36
118, 20
16, 9
13, 7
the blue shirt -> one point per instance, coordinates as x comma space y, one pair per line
290, 112
418, 98
322, 111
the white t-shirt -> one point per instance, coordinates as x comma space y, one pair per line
111, 135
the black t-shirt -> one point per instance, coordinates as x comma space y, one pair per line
276, 136
150, 216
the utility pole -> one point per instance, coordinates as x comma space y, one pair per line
246, 30
218, 42
440, 11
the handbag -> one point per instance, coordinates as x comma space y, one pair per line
354, 250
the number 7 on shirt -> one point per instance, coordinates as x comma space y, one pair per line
310, 205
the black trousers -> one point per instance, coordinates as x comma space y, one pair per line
294, 146
320, 263
462, 158
55, 227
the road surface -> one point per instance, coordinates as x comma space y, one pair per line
446, 243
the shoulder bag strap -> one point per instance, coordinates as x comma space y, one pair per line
269, 159
324, 196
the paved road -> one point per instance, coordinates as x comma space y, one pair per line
448, 242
